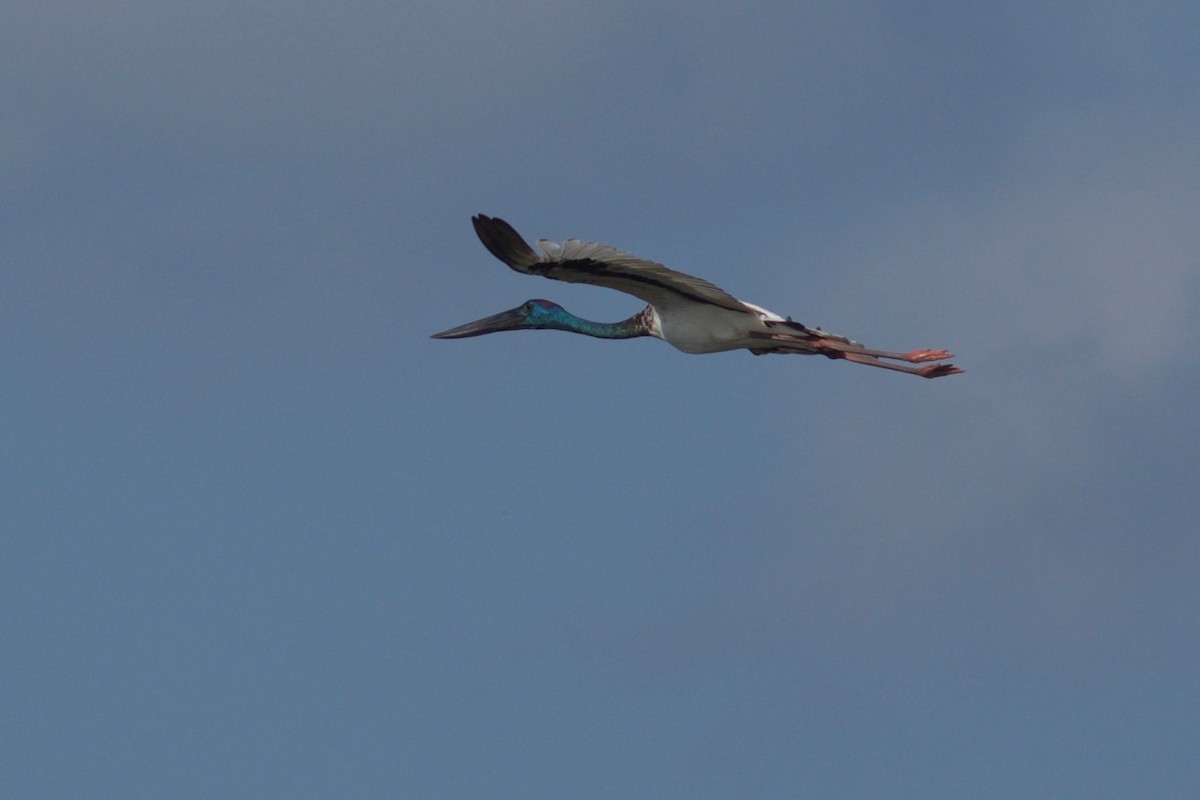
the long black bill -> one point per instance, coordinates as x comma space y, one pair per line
504, 321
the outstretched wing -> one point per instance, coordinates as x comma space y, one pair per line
600, 265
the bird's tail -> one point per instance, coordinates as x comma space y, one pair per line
790, 330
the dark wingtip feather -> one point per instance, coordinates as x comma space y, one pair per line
503, 241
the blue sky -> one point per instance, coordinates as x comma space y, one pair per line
263, 537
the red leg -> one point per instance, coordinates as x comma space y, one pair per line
927, 371
852, 351
914, 356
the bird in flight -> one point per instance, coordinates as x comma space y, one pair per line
688, 313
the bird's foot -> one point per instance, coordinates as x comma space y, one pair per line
938, 371
918, 356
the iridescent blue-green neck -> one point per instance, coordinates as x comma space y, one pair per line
631, 328
625, 329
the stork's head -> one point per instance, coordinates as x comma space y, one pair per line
529, 315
